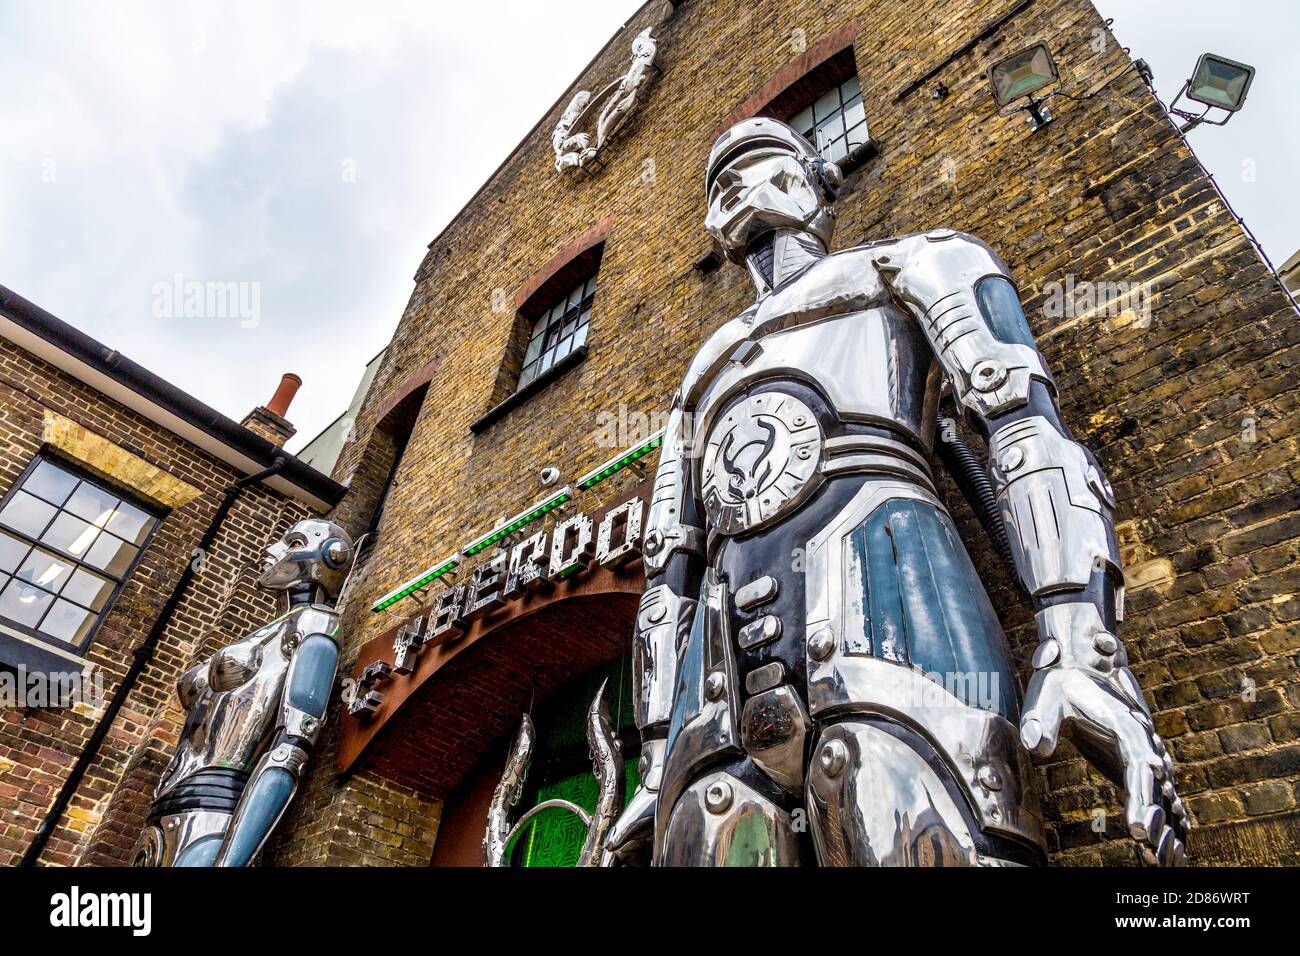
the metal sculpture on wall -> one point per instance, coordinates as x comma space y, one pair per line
253, 713
589, 121
607, 762
815, 650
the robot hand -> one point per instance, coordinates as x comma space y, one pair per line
631, 839
1082, 680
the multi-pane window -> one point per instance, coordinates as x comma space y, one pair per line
66, 545
835, 123
559, 330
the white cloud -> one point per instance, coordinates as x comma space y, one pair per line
313, 148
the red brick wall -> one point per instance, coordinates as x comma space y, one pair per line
108, 809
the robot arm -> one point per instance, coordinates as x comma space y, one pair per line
1057, 507
674, 561
276, 776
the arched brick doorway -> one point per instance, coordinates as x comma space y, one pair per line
560, 767
444, 729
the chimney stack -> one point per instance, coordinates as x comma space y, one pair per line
268, 420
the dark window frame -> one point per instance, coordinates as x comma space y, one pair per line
82, 474
511, 390
550, 329
830, 74
841, 112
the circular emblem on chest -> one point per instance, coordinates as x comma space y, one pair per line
760, 459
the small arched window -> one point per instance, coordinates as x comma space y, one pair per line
559, 330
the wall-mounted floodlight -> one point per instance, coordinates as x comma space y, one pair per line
1216, 83
1022, 74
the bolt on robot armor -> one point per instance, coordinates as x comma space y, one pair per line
253, 713
814, 644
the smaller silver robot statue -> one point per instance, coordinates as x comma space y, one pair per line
820, 674
254, 710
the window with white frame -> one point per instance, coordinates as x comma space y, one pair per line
67, 545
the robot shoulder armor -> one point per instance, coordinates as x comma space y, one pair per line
315, 619
712, 354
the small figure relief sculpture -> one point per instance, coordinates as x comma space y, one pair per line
607, 762
590, 121
253, 713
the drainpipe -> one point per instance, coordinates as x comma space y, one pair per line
142, 655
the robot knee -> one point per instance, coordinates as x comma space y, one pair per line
873, 800
721, 821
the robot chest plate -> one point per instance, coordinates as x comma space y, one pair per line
759, 461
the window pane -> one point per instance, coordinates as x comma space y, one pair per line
71, 534
67, 622
110, 554
830, 130
534, 347
11, 552
835, 151
44, 569
23, 603
827, 103
131, 523
803, 121
850, 89
580, 336
88, 589
853, 115
27, 514
50, 482
93, 504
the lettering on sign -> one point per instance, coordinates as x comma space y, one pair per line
572, 546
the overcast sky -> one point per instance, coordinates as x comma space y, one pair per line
309, 150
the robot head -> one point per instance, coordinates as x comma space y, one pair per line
763, 176
312, 551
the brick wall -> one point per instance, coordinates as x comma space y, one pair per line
37, 750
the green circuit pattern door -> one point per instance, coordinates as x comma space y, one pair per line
561, 766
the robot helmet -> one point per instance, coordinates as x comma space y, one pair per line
313, 550
763, 176
765, 133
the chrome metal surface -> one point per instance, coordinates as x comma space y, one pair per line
507, 793
873, 801
589, 121
869, 336
758, 461
774, 728
603, 743
720, 821
758, 592
1055, 504
273, 684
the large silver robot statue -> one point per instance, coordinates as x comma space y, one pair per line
254, 711
820, 673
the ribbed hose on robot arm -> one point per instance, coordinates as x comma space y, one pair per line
970, 475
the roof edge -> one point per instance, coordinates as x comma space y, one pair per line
160, 401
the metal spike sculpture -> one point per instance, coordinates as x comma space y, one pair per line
607, 763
